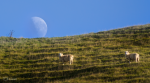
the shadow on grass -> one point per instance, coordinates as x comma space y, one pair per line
111, 78
62, 75
64, 72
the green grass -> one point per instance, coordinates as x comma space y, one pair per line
98, 57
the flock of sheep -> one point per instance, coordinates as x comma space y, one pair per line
69, 57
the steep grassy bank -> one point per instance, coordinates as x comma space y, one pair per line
99, 57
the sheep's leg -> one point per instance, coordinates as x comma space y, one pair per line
136, 59
129, 61
63, 62
70, 62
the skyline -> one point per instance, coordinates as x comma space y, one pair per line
68, 18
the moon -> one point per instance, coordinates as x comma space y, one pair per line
40, 25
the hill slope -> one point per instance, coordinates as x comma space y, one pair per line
99, 57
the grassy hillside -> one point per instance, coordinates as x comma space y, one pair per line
98, 57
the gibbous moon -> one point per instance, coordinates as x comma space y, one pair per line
40, 25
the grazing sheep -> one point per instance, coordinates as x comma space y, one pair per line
66, 58
133, 56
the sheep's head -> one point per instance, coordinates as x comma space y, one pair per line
60, 54
126, 52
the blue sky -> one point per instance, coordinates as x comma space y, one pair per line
71, 17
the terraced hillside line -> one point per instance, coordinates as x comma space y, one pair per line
98, 57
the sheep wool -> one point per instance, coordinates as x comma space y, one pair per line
66, 58
132, 56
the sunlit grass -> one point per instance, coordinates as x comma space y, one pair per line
98, 57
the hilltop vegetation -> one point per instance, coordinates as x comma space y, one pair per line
98, 57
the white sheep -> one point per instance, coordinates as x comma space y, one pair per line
133, 56
66, 58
